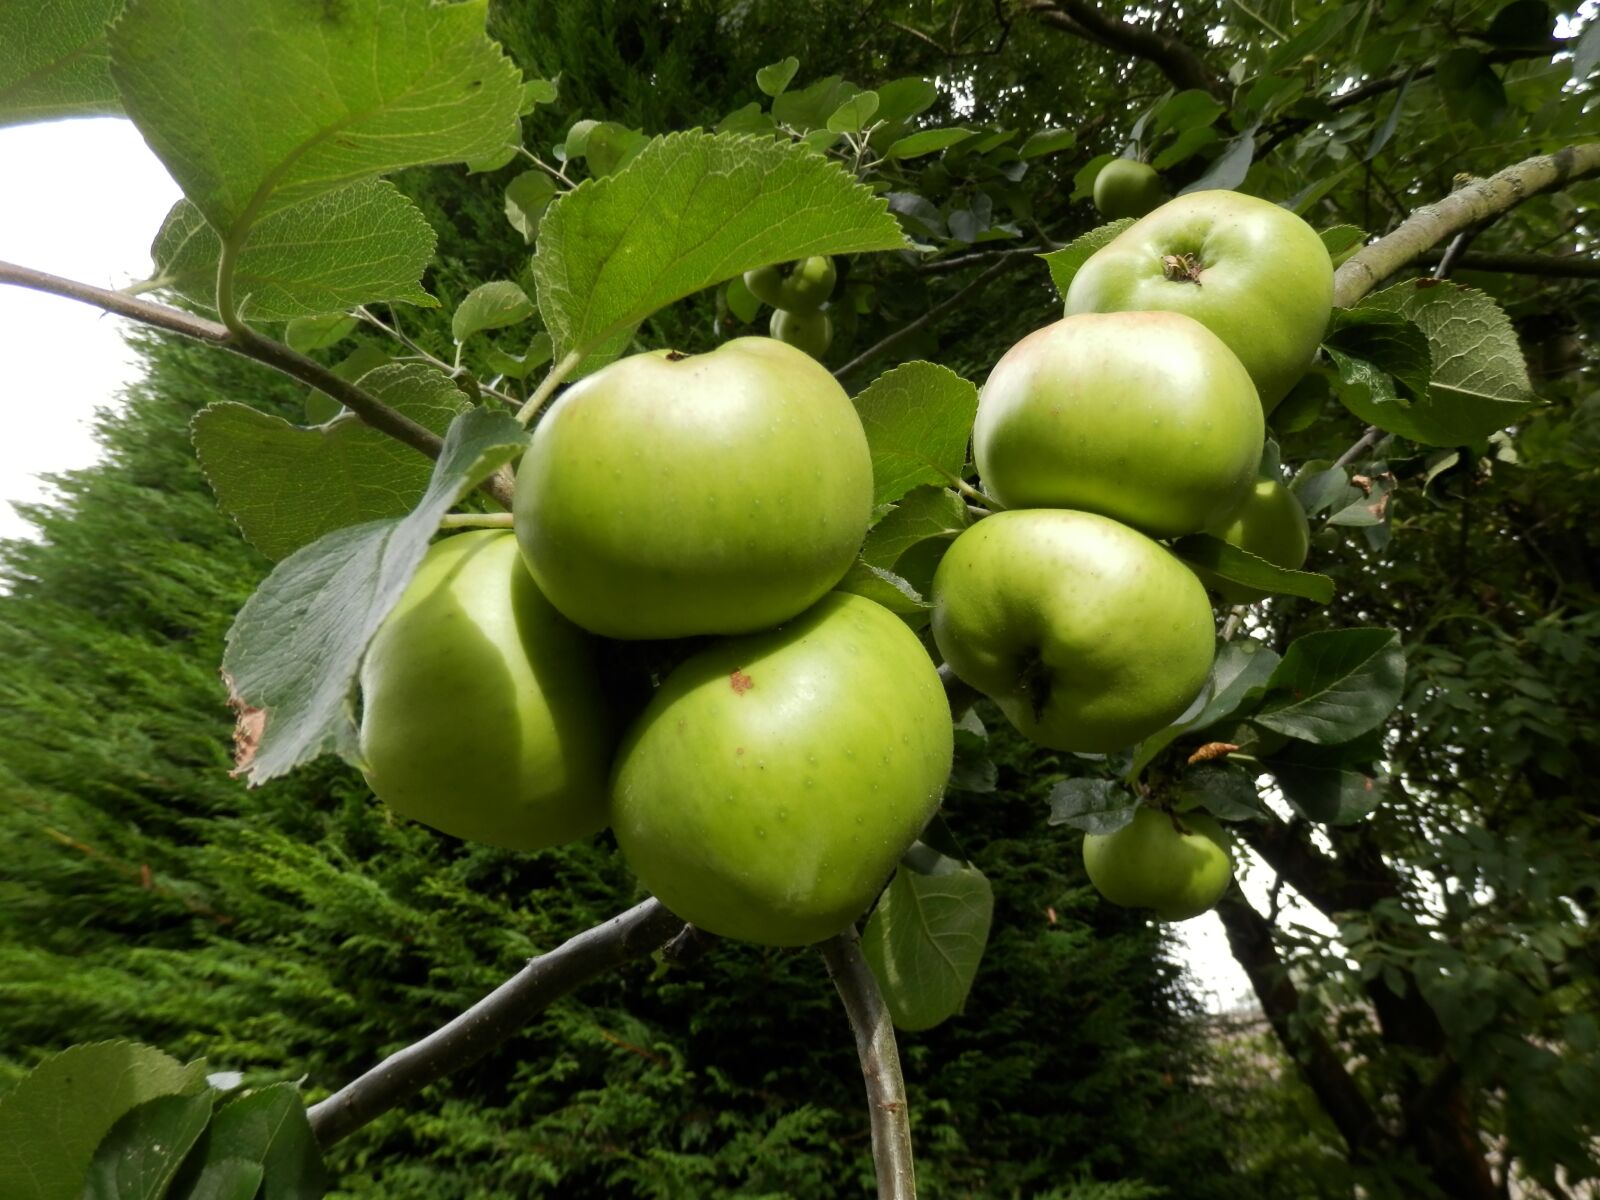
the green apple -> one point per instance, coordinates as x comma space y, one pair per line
1175, 863
1125, 187
1253, 273
1087, 634
670, 495
797, 287
774, 781
1269, 524
808, 331
1145, 417
482, 713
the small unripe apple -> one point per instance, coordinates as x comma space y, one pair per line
808, 331
1087, 634
1145, 417
1269, 524
1125, 187
669, 495
774, 781
482, 713
800, 286
1175, 863
1250, 271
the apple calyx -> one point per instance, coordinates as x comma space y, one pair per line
1182, 268
675, 356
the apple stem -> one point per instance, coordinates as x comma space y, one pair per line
880, 1064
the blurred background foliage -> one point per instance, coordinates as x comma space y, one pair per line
299, 931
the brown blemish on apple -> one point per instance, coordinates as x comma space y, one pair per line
676, 356
740, 682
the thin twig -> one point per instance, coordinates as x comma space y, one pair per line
1460, 210
247, 343
1368, 439
933, 314
500, 1015
476, 521
1550, 266
880, 1065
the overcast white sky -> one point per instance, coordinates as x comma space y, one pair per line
83, 199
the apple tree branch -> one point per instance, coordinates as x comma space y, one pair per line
500, 1015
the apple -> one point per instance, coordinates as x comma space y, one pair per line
1125, 187
1175, 863
482, 713
1087, 634
668, 495
1269, 524
795, 287
1145, 417
1253, 273
773, 782
808, 331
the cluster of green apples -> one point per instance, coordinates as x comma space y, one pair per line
1137, 418
801, 742
797, 291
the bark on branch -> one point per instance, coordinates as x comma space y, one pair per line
1480, 200
251, 345
500, 1015
1250, 939
880, 1064
1175, 59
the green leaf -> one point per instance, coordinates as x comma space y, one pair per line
1185, 146
749, 119
357, 245
520, 366
1226, 791
1318, 490
1190, 109
1240, 566
1477, 381
973, 770
1325, 783
923, 513
253, 116
852, 116
287, 486
902, 99
52, 1120
269, 1126
1381, 135
1335, 685
226, 1179
883, 587
918, 419
1229, 168
1342, 241
925, 940
294, 648
141, 1154
691, 211
492, 305
306, 334
539, 91
54, 62
810, 107
1083, 178
1067, 261
1093, 805
608, 146
928, 141
773, 79
1472, 91
1382, 357
527, 197
1238, 674
1047, 141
